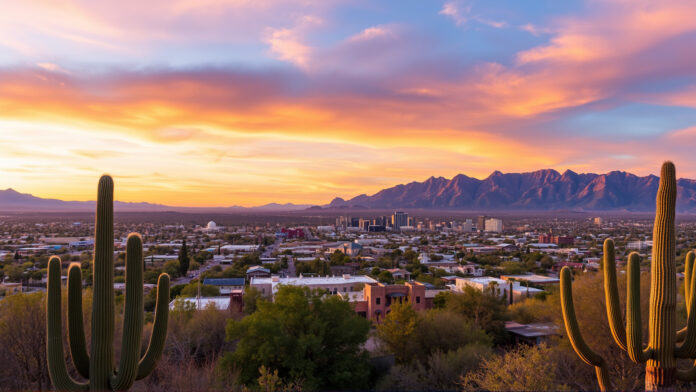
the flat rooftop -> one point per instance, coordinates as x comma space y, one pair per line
534, 279
532, 330
312, 281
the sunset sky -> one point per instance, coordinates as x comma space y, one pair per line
246, 102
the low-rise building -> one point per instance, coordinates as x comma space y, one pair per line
400, 274
378, 298
348, 248
511, 291
532, 279
533, 334
257, 271
333, 284
226, 285
471, 269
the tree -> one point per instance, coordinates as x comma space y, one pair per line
183, 259
306, 335
438, 371
171, 267
442, 347
485, 310
206, 290
386, 277
23, 342
252, 296
443, 330
411, 256
397, 329
315, 266
338, 258
525, 368
513, 268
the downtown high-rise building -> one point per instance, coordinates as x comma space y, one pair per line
481, 223
494, 225
399, 219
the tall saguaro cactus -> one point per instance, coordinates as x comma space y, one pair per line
98, 365
665, 344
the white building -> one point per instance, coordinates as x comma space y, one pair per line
468, 226
471, 269
334, 284
639, 245
494, 225
212, 227
499, 287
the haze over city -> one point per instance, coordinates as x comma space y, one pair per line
213, 103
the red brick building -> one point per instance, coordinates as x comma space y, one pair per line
556, 239
378, 299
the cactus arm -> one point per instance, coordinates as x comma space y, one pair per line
611, 295
76, 328
159, 329
688, 293
102, 354
681, 335
634, 329
133, 316
57, 369
687, 375
572, 328
688, 348
688, 276
603, 378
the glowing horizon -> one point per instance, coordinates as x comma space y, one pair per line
219, 103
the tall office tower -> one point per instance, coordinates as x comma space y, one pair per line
494, 225
342, 221
481, 223
468, 226
399, 219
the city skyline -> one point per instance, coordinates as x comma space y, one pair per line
237, 103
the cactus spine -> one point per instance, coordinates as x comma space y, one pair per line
97, 366
663, 349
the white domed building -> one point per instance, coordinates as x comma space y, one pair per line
212, 226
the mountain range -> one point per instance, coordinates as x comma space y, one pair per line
13, 201
539, 190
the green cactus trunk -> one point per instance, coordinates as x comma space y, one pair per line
103, 290
661, 368
98, 365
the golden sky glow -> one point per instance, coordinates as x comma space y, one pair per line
221, 103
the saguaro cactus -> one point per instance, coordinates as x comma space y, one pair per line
663, 349
98, 366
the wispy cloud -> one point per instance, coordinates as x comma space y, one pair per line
456, 11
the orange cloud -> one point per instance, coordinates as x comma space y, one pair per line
344, 118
